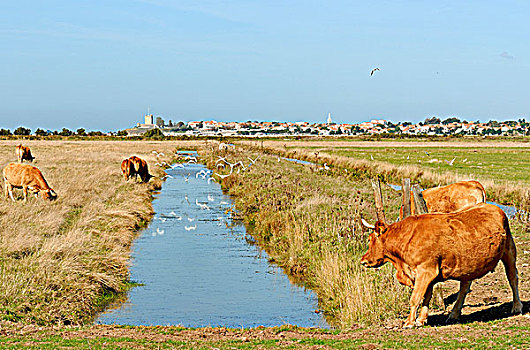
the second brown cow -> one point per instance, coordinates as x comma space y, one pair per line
451, 198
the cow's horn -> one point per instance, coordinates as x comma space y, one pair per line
366, 224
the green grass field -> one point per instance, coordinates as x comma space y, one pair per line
499, 164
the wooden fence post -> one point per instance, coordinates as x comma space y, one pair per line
405, 205
419, 202
379, 209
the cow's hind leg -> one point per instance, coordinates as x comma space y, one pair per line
508, 259
25, 192
424, 280
457, 309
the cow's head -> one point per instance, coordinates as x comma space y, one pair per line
49, 195
375, 256
147, 177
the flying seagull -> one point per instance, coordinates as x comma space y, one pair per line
373, 71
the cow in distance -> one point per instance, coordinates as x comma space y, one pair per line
23, 153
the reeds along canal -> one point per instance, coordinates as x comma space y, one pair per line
196, 268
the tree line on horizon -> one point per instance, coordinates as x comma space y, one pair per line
23, 131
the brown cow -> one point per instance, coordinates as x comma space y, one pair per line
450, 198
139, 166
127, 169
27, 177
430, 248
24, 153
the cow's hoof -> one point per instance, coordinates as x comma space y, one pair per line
408, 325
418, 324
451, 319
517, 308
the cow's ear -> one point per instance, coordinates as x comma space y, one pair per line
380, 228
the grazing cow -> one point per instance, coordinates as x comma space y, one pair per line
27, 177
450, 198
24, 153
430, 248
127, 168
140, 168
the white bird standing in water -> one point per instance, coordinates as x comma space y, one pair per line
191, 159
201, 205
159, 231
190, 228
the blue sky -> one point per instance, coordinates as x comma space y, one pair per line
101, 64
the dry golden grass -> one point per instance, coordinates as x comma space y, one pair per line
58, 259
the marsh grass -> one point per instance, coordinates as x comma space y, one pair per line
309, 223
502, 170
59, 260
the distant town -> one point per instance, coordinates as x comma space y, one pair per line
431, 126
152, 126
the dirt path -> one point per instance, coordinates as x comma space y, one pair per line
513, 331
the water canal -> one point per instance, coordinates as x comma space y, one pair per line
196, 268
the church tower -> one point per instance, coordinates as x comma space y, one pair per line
329, 119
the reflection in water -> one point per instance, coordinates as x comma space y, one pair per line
198, 269
294, 160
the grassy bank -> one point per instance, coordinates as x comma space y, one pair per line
308, 221
59, 261
513, 333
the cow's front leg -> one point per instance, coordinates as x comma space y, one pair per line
404, 279
424, 312
6, 189
10, 190
424, 278
25, 192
